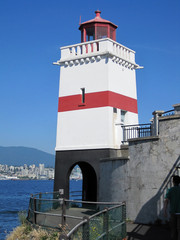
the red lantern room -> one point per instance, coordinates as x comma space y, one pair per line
97, 28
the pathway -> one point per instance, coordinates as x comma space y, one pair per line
147, 232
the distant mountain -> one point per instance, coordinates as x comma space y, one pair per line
18, 156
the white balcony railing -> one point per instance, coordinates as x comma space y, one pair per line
97, 47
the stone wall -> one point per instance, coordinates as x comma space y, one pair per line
142, 179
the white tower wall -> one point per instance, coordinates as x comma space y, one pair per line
107, 75
88, 129
91, 75
122, 79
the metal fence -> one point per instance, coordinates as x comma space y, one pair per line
108, 224
136, 131
78, 219
144, 130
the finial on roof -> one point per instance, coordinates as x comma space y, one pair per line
97, 12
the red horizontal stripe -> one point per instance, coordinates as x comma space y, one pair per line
96, 100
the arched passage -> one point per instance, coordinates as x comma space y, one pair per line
89, 178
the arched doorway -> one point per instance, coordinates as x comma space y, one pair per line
89, 181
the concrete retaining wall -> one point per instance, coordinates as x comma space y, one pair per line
142, 180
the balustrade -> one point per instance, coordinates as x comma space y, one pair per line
98, 46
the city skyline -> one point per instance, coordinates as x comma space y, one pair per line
31, 35
25, 172
10, 172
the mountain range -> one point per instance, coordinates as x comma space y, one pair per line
18, 156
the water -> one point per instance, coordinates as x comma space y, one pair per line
75, 190
14, 197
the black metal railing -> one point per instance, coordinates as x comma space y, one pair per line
87, 220
168, 113
136, 131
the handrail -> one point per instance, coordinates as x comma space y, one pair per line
136, 131
43, 199
44, 193
87, 219
76, 227
101, 203
42, 211
37, 199
147, 129
135, 125
75, 201
167, 113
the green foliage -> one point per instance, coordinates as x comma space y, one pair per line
27, 228
44, 238
54, 236
22, 216
96, 227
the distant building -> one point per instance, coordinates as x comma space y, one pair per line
41, 169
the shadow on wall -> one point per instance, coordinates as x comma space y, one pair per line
154, 207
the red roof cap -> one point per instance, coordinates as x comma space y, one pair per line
98, 19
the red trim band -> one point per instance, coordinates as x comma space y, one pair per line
96, 100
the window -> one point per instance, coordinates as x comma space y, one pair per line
114, 110
123, 113
83, 95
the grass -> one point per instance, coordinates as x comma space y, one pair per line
26, 231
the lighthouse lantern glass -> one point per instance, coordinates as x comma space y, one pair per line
102, 32
90, 33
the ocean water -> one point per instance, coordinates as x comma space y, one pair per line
14, 197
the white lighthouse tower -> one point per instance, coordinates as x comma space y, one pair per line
97, 95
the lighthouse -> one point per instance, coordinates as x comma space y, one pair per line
97, 96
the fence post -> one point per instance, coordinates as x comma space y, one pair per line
34, 209
39, 201
63, 212
105, 224
156, 114
124, 220
85, 233
30, 208
124, 133
176, 108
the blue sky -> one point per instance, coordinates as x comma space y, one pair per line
31, 34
